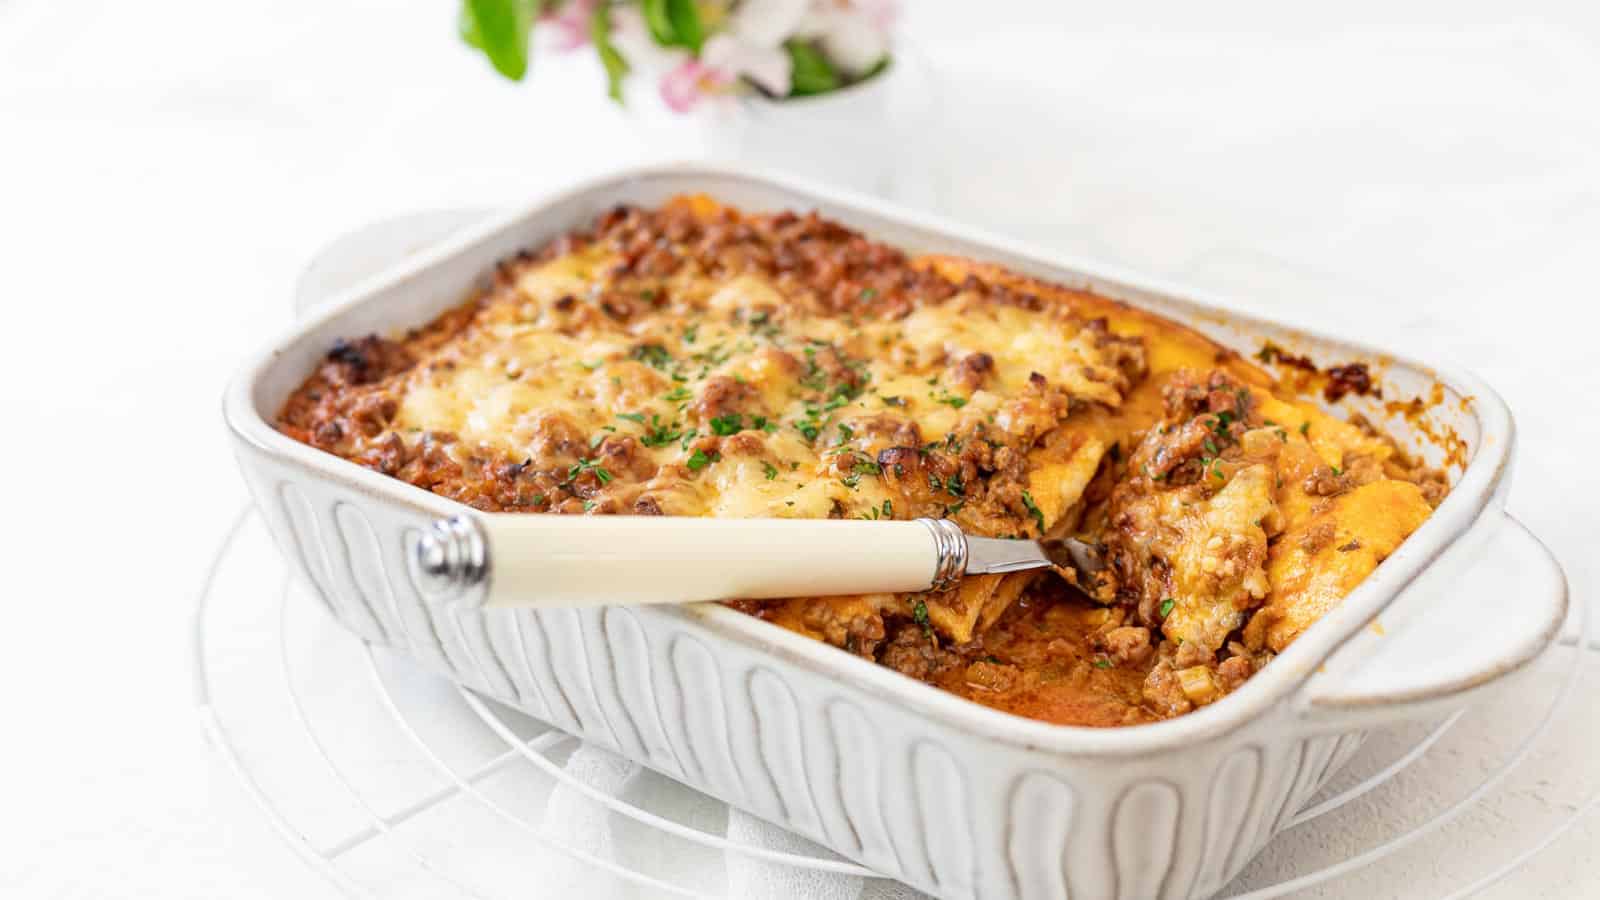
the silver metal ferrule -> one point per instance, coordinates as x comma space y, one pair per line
451, 562
950, 543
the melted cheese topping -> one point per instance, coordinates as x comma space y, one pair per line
546, 374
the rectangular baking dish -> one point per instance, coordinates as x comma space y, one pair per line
951, 797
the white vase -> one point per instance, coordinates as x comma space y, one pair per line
849, 138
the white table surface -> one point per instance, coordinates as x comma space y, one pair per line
167, 168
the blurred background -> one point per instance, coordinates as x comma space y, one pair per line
169, 170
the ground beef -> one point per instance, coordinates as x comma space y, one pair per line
1352, 378
911, 650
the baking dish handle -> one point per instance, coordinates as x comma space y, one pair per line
1494, 618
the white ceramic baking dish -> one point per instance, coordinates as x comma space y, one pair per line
951, 797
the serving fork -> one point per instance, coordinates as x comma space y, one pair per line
543, 560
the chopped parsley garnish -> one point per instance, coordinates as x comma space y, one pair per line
690, 333
660, 435
689, 437
952, 510
1211, 448
1216, 470
888, 509
954, 401
919, 615
1102, 663
714, 355
732, 423
814, 377
1305, 428
1166, 607
677, 395
588, 505
863, 466
770, 469
954, 486
1337, 471
1033, 510
653, 355
868, 293
589, 465
636, 418
698, 460
811, 426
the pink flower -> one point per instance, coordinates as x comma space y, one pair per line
571, 23
734, 57
881, 13
686, 84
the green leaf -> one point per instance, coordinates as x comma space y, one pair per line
660, 24
467, 26
674, 23
501, 29
876, 70
616, 66
813, 74
686, 20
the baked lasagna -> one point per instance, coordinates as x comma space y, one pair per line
693, 360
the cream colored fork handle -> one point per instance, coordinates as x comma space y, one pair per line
506, 560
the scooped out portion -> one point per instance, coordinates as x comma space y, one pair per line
694, 360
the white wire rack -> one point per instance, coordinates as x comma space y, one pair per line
416, 830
